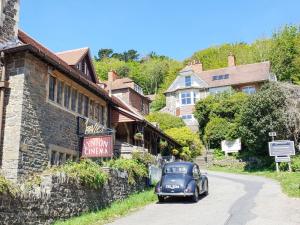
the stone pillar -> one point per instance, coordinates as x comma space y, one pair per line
13, 117
9, 19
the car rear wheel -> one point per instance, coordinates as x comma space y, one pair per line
195, 197
206, 188
161, 198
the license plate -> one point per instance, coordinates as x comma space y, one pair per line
172, 186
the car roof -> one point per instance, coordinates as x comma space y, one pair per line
180, 163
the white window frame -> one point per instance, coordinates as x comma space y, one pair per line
185, 81
247, 88
182, 98
185, 115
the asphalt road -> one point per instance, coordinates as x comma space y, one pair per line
233, 200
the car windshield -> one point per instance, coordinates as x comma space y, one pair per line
175, 169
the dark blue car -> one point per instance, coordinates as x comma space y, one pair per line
182, 179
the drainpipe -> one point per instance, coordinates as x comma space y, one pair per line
3, 86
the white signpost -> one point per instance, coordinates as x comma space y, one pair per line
231, 146
282, 150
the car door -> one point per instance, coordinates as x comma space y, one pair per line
197, 177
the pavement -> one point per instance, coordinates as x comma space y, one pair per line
233, 200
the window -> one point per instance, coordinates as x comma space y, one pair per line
186, 98
91, 110
138, 89
188, 81
218, 90
67, 96
195, 97
52, 84
85, 106
249, 90
187, 117
59, 155
220, 77
74, 100
97, 112
80, 100
59, 92
101, 114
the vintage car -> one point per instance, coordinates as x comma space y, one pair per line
182, 179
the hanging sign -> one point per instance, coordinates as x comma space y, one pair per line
97, 146
87, 126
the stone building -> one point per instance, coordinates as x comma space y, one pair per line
45, 98
193, 83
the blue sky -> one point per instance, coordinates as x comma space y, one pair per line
176, 28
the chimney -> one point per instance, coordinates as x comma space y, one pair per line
9, 19
231, 60
197, 66
112, 76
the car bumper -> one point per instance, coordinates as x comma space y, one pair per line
180, 194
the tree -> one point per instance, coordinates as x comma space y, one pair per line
285, 54
131, 55
104, 53
273, 108
225, 105
165, 120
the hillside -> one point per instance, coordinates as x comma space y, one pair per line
155, 73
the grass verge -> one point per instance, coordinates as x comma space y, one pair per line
290, 182
114, 211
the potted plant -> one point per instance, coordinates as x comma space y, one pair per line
138, 136
163, 144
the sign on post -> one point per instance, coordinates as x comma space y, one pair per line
281, 148
282, 158
231, 146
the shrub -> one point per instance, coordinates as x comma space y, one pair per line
186, 154
165, 120
218, 154
86, 171
144, 158
132, 167
216, 131
6, 187
296, 163
187, 138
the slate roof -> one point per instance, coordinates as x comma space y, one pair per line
236, 75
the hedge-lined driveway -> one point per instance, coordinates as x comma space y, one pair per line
233, 200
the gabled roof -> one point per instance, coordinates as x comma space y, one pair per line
249, 73
74, 56
28, 43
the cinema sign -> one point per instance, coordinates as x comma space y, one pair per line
97, 146
97, 140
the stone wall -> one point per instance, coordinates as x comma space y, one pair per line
43, 124
59, 197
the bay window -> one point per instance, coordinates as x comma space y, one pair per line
186, 98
